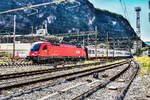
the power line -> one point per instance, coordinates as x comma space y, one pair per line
38, 5
78, 4
124, 8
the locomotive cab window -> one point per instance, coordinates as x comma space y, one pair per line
45, 47
36, 47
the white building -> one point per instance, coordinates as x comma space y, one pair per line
21, 49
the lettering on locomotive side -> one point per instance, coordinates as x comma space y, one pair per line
77, 51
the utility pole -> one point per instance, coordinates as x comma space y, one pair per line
138, 42
83, 45
114, 23
88, 40
46, 31
113, 48
96, 33
14, 37
107, 45
32, 36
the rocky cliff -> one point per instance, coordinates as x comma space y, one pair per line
64, 18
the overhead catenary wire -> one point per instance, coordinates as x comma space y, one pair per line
78, 4
124, 8
38, 5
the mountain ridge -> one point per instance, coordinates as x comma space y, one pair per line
62, 20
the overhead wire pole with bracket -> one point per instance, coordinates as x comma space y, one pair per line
107, 45
14, 33
96, 33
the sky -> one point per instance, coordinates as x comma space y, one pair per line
115, 6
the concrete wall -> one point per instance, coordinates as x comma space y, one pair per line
21, 49
145, 53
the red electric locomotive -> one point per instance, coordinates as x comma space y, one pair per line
48, 51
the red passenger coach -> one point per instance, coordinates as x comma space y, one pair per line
47, 51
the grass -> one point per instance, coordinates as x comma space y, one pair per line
5, 57
107, 63
144, 62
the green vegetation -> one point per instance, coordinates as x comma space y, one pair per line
96, 66
138, 52
5, 55
144, 62
144, 48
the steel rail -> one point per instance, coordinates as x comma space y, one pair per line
124, 91
102, 85
31, 81
36, 72
16, 64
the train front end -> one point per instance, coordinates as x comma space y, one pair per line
35, 52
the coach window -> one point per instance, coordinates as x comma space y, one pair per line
93, 52
89, 51
45, 47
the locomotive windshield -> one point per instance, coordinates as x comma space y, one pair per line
36, 47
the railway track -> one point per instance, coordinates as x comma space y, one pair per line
68, 76
45, 78
5, 63
69, 91
23, 63
37, 72
121, 95
125, 89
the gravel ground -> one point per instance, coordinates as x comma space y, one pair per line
16, 69
23, 69
21, 79
139, 88
137, 91
111, 91
68, 95
68, 90
26, 68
